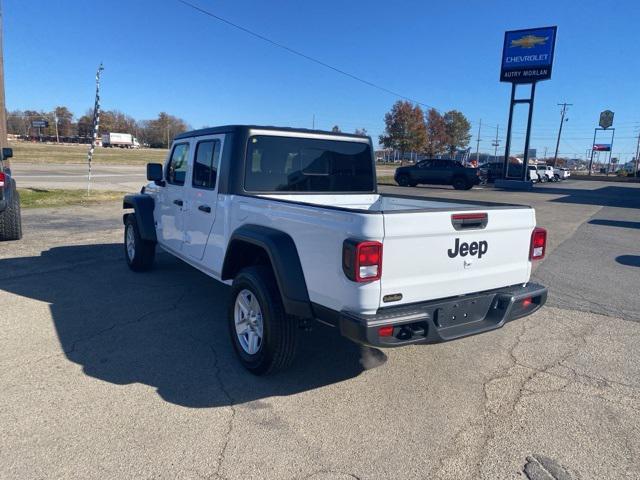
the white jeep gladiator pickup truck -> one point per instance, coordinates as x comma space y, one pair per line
293, 221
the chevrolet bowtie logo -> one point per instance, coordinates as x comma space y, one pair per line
529, 41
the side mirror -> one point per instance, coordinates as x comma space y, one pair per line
154, 173
7, 153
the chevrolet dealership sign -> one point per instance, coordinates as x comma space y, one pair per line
527, 55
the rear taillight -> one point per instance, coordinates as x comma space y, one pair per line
362, 261
3, 178
538, 244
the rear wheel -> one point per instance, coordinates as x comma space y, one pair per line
264, 337
403, 180
460, 183
138, 252
11, 219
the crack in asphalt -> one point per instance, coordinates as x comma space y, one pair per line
486, 422
330, 472
171, 308
231, 404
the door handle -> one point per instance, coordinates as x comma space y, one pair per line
178, 202
204, 208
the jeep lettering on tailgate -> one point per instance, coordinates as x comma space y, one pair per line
464, 249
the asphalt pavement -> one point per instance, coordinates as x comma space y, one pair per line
110, 374
125, 178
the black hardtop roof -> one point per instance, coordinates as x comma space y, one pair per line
244, 128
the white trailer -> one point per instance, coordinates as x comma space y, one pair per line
122, 140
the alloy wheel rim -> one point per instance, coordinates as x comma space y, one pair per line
248, 322
131, 243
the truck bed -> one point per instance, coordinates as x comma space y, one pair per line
421, 256
385, 203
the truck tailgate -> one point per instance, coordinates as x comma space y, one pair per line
425, 257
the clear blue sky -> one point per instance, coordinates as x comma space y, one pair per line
163, 56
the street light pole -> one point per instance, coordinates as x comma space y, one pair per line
564, 110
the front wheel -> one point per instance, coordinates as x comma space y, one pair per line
139, 253
264, 337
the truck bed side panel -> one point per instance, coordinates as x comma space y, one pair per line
318, 234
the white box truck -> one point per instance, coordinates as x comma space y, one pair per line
122, 140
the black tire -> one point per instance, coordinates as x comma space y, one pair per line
144, 252
280, 332
403, 180
460, 183
11, 219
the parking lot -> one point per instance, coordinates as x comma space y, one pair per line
106, 373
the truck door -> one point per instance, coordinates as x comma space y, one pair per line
171, 198
202, 195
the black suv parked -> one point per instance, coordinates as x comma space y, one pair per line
438, 172
10, 221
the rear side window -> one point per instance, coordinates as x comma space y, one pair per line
205, 166
177, 167
287, 164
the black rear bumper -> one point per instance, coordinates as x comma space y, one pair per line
443, 320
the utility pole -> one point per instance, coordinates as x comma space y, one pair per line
564, 110
545, 154
478, 143
496, 144
3, 110
635, 172
313, 122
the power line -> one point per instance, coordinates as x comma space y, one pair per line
307, 57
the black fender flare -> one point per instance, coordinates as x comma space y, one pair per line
283, 255
143, 206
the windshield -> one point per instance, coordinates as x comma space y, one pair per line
287, 164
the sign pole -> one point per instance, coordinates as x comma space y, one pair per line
507, 143
613, 134
595, 130
525, 160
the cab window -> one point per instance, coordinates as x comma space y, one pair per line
177, 166
205, 167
